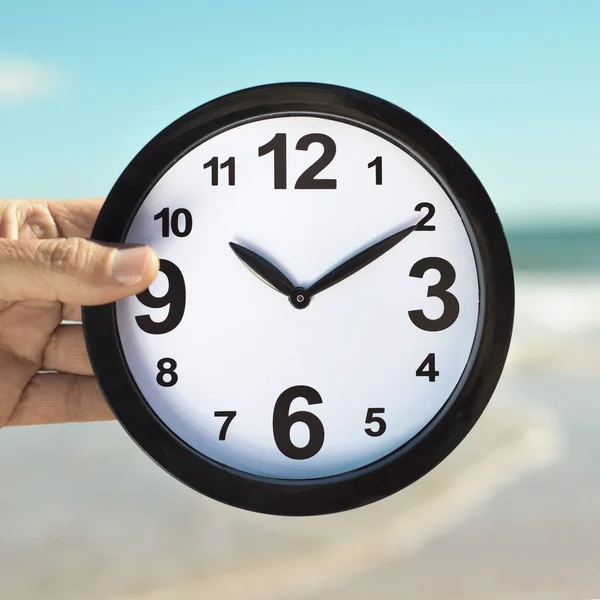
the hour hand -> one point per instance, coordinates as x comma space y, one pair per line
263, 269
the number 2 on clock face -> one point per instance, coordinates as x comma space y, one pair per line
264, 385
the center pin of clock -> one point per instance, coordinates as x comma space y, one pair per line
299, 298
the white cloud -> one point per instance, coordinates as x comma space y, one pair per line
22, 79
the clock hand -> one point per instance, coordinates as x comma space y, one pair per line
358, 261
263, 269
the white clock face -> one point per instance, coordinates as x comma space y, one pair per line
239, 372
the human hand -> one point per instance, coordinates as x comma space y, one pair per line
48, 270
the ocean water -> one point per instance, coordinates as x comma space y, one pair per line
555, 249
557, 294
513, 514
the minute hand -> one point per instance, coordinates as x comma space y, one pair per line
358, 261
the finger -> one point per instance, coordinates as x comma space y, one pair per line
39, 218
74, 270
60, 398
66, 351
75, 218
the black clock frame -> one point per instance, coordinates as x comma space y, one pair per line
443, 433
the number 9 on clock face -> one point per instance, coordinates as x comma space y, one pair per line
333, 307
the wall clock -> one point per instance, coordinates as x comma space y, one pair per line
334, 305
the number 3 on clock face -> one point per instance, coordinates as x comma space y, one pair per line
323, 301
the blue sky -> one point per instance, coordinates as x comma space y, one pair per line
513, 85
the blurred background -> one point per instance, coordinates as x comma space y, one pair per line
514, 513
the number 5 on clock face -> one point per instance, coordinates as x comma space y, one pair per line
333, 308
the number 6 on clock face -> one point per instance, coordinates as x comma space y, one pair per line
333, 307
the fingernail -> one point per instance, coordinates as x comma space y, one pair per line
129, 264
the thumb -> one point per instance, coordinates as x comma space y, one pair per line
74, 270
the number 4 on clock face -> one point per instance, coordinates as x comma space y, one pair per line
427, 368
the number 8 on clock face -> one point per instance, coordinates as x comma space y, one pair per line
334, 302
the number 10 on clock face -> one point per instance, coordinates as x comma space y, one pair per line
301, 373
